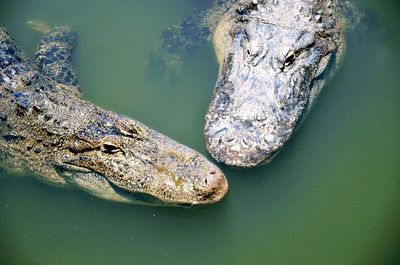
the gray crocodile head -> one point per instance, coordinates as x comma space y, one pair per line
119, 159
270, 73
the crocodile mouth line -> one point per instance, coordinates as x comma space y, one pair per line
135, 197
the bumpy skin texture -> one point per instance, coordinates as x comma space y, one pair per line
53, 56
275, 57
193, 31
48, 129
185, 36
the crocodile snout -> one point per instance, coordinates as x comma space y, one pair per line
210, 187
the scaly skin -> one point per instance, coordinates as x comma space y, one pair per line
48, 129
275, 56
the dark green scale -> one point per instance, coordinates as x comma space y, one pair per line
181, 39
54, 56
191, 32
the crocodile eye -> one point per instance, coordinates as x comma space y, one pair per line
290, 58
110, 148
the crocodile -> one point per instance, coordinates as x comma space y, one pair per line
275, 56
48, 129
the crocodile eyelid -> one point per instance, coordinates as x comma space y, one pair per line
110, 148
290, 58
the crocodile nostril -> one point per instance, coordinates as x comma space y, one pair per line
255, 54
212, 187
210, 176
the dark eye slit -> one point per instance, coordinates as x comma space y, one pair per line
110, 149
290, 59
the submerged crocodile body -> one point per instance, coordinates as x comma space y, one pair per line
274, 56
46, 127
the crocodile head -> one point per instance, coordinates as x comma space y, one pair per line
119, 159
269, 76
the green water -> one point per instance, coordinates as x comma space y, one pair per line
330, 197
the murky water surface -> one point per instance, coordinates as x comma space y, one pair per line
330, 197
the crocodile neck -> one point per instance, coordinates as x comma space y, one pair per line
37, 118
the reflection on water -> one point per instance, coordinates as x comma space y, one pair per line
329, 198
